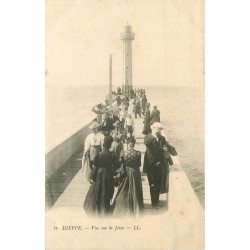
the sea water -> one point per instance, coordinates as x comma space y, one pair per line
182, 114
68, 109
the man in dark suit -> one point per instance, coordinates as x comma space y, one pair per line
113, 119
155, 115
106, 124
154, 160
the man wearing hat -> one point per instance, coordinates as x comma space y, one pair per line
119, 136
106, 124
146, 127
116, 132
137, 107
143, 103
154, 160
155, 115
113, 118
92, 146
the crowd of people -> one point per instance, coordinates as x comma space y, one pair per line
112, 162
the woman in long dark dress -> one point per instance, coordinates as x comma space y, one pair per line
129, 197
99, 196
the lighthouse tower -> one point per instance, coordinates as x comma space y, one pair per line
127, 36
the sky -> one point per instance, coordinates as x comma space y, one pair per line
168, 48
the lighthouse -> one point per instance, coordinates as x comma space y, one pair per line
127, 36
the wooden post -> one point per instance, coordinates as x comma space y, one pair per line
110, 82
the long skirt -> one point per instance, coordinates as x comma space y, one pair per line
146, 128
89, 160
129, 197
99, 196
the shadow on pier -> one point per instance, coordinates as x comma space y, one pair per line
56, 184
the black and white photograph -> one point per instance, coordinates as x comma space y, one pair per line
124, 125
119, 119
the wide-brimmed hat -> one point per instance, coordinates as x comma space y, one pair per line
94, 125
157, 126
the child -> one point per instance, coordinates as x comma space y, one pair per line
129, 125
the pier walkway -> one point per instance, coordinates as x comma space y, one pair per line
76, 190
179, 224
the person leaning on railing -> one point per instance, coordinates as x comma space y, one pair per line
153, 161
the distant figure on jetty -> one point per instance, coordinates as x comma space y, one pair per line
119, 91
118, 137
155, 115
146, 127
113, 118
132, 94
137, 107
129, 197
92, 146
125, 102
122, 114
99, 109
107, 102
143, 103
153, 162
101, 191
118, 101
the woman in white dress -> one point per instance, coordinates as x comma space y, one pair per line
92, 146
122, 114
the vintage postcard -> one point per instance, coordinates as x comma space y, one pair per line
125, 125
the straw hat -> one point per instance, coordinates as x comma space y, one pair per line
157, 126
